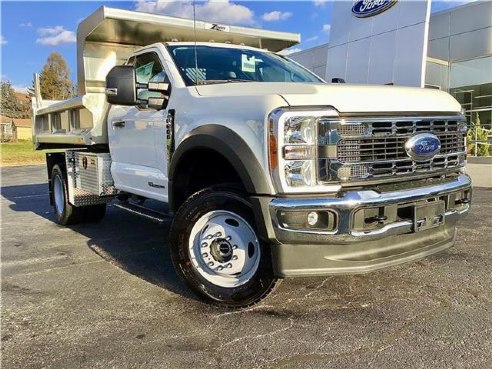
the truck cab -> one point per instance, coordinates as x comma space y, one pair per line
267, 170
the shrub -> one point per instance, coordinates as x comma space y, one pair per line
477, 133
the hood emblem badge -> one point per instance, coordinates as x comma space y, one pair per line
423, 146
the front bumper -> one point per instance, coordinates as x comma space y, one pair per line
413, 223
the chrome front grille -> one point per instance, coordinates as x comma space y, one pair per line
412, 126
386, 148
439, 162
373, 148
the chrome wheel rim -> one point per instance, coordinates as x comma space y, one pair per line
59, 195
224, 249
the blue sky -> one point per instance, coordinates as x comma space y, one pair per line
30, 31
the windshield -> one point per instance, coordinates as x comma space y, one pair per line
223, 65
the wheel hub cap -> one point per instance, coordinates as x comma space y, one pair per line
221, 250
224, 248
59, 195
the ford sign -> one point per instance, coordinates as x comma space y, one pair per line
423, 146
368, 8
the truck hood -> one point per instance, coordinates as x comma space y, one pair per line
346, 98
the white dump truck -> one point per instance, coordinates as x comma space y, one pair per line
267, 170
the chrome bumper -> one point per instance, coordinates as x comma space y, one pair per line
346, 205
344, 249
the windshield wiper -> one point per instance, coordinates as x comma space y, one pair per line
216, 81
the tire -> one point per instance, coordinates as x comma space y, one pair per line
65, 213
216, 252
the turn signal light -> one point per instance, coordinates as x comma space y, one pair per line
273, 151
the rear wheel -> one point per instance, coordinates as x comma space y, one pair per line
65, 213
216, 251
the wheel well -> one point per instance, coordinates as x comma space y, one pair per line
199, 169
53, 158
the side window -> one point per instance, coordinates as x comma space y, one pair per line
148, 68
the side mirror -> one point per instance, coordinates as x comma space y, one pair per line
121, 86
158, 91
337, 80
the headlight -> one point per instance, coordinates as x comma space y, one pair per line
300, 130
294, 149
299, 173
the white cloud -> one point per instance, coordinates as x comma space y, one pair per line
20, 88
3, 41
27, 24
290, 51
53, 36
276, 16
311, 39
212, 11
326, 28
319, 2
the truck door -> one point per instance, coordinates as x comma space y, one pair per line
137, 137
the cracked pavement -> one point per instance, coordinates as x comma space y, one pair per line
106, 296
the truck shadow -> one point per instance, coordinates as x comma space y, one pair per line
29, 198
136, 245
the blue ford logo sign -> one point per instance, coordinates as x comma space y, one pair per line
368, 8
423, 146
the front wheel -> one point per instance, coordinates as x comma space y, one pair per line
215, 249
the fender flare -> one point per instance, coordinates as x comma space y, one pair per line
231, 146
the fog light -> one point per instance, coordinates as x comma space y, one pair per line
312, 218
303, 220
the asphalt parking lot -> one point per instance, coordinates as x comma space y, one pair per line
106, 296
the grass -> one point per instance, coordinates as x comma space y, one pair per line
20, 153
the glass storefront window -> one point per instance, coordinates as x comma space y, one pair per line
477, 101
437, 74
471, 72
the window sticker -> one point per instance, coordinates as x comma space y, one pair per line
248, 63
196, 75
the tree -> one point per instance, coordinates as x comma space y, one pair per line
55, 78
10, 106
478, 139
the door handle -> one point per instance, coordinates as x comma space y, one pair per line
119, 124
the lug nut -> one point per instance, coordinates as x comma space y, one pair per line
234, 257
211, 264
220, 267
229, 265
234, 247
205, 255
209, 237
228, 238
204, 244
218, 234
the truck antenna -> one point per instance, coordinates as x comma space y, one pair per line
194, 30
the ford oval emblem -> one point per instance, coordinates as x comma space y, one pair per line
423, 146
368, 8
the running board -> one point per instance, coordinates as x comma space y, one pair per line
154, 215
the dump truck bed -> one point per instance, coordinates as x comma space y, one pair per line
107, 38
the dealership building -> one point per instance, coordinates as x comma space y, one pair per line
398, 42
